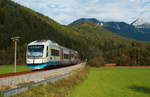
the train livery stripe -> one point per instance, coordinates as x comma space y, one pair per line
47, 64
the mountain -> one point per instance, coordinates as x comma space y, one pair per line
94, 43
129, 31
138, 30
140, 23
92, 20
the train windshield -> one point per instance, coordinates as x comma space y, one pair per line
35, 50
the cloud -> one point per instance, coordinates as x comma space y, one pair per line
65, 11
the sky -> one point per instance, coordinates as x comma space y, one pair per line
66, 11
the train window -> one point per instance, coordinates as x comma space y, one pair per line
54, 52
72, 55
35, 50
66, 56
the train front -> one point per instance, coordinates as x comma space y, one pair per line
35, 57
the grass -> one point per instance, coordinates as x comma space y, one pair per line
100, 82
60, 88
10, 68
114, 82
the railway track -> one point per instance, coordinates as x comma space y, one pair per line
35, 78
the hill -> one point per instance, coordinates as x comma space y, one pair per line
94, 43
16, 20
113, 48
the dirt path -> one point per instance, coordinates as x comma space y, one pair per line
115, 65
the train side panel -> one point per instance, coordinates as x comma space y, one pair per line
52, 54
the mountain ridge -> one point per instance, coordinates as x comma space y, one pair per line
140, 32
140, 23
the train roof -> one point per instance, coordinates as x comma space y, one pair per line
48, 42
43, 42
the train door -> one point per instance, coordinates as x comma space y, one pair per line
62, 55
70, 52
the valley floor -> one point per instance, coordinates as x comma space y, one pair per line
114, 82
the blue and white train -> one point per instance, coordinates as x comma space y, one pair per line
45, 53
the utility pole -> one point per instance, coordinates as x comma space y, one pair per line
15, 39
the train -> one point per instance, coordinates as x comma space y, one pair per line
46, 53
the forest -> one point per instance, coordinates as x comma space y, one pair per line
94, 43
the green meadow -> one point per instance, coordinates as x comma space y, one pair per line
114, 82
10, 68
98, 82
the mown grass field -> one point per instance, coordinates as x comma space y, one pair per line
114, 82
10, 68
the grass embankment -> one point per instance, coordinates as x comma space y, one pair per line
60, 88
10, 68
114, 82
